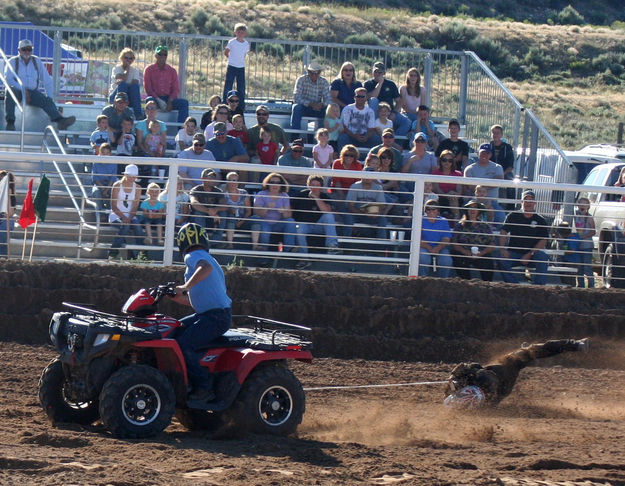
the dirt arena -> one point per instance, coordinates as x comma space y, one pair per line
564, 423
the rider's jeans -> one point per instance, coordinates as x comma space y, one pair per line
198, 330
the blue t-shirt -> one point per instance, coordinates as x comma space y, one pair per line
436, 231
104, 173
345, 93
225, 151
210, 293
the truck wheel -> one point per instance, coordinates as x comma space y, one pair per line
137, 401
613, 271
57, 405
193, 419
271, 401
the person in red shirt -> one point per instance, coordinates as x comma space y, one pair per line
348, 160
161, 84
239, 131
268, 151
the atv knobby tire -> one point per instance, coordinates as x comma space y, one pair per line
56, 405
271, 401
136, 402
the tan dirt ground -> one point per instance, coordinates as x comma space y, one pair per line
561, 425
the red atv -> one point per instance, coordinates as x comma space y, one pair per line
128, 372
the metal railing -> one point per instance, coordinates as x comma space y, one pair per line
21, 105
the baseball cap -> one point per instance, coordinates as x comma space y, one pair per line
161, 50
25, 43
206, 173
219, 127
422, 135
131, 170
528, 193
297, 143
486, 147
121, 96
262, 108
231, 93
379, 66
199, 137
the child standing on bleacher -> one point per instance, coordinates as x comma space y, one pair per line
153, 139
153, 214
332, 123
103, 134
184, 137
323, 152
235, 51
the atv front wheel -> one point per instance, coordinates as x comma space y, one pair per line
53, 399
137, 401
613, 271
271, 401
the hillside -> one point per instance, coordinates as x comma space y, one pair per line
570, 75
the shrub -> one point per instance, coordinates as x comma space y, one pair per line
214, 26
569, 16
406, 41
456, 35
260, 31
199, 18
272, 50
366, 39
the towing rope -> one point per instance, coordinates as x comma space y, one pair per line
387, 385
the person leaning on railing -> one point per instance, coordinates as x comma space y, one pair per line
103, 176
348, 160
5, 217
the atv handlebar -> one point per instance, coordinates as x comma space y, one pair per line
160, 291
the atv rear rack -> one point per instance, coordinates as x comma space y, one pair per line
270, 334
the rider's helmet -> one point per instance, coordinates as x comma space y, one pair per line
192, 234
469, 397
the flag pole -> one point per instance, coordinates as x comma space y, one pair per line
32, 243
24, 244
8, 234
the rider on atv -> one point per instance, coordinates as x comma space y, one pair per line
472, 385
204, 290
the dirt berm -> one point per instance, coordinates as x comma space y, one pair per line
411, 319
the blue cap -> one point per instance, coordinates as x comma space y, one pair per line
231, 93
486, 147
422, 135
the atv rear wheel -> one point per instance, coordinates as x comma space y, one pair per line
57, 405
612, 270
271, 401
137, 401
193, 419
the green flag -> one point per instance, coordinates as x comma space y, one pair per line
41, 198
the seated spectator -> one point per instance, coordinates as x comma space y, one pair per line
412, 95
220, 115
126, 140
162, 85
117, 112
379, 89
435, 238
207, 201
278, 135
344, 86
207, 116
417, 161
272, 205
485, 168
425, 125
348, 160
332, 123
449, 192
313, 213
142, 129
182, 202
460, 148
388, 142
490, 214
238, 130
390, 186
192, 176
295, 158
358, 122
125, 78
367, 205
311, 95
102, 134
153, 212
184, 137
103, 176
382, 122
226, 148
125, 198
523, 238
238, 212
472, 243
233, 100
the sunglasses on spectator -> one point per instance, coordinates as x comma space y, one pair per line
297, 151
275, 181
233, 100
262, 114
349, 155
430, 208
447, 159
198, 144
220, 134
129, 58
388, 136
26, 49
420, 140
360, 96
382, 157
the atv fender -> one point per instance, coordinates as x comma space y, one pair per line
168, 355
251, 358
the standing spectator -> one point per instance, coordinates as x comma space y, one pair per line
435, 238
192, 176
311, 95
585, 226
332, 123
207, 202
502, 153
238, 213
460, 148
423, 124
162, 85
117, 112
103, 176
125, 198
33, 74
5, 218
527, 233
102, 134
472, 243
484, 168
313, 213
449, 192
153, 212
277, 134
142, 129
412, 95
126, 140
295, 158
379, 89
220, 115
184, 137
358, 122
323, 152
388, 142
126, 78
343, 88
235, 51
367, 205
272, 205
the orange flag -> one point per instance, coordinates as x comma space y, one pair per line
27, 216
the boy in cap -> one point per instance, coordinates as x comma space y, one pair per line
32, 73
235, 51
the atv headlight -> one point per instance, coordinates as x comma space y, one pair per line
101, 339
